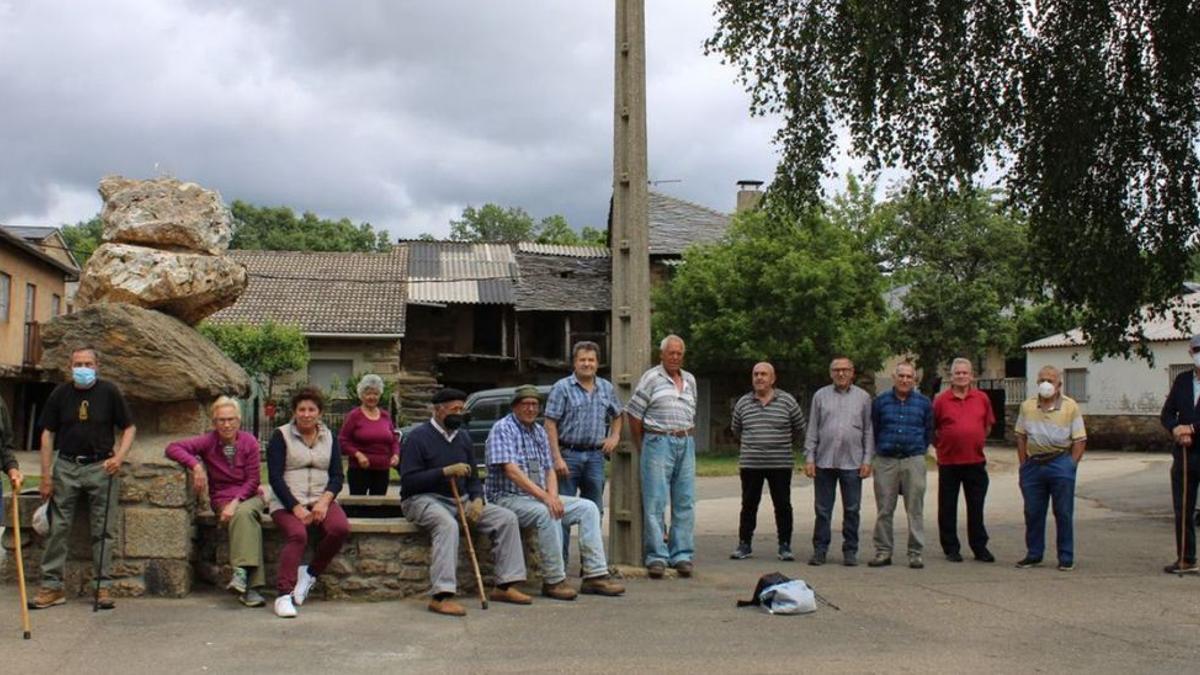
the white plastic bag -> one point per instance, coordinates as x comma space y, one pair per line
41, 519
790, 597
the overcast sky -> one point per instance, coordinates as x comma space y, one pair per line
396, 113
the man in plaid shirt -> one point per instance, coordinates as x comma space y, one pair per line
521, 478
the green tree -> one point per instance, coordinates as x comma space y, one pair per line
795, 292
279, 229
265, 351
964, 258
494, 223
1088, 111
83, 237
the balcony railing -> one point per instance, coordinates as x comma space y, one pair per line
33, 344
1014, 387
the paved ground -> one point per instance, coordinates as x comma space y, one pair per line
1116, 613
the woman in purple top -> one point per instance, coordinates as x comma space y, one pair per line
225, 462
368, 439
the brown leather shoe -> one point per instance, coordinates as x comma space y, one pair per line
47, 597
684, 568
601, 586
104, 599
656, 569
510, 595
448, 607
559, 591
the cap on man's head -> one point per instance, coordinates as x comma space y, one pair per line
525, 391
449, 394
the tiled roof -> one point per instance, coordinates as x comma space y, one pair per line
563, 284
559, 249
676, 224
323, 292
37, 232
460, 272
1158, 329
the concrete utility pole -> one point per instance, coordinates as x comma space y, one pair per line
631, 270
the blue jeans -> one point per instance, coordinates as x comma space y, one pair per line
586, 479
825, 486
668, 473
532, 513
1039, 484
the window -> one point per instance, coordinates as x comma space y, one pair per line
55, 305
1075, 383
5, 292
488, 409
323, 372
1174, 370
30, 302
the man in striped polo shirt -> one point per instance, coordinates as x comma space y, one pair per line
1050, 443
662, 412
767, 423
903, 423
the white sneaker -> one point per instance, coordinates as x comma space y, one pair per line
304, 584
284, 608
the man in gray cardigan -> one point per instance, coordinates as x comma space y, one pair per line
837, 451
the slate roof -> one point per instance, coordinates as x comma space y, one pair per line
37, 232
562, 250
339, 293
445, 272
19, 241
1158, 329
676, 224
563, 284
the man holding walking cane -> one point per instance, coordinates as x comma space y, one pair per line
435, 461
1179, 416
78, 423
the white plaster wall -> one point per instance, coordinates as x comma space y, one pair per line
1116, 386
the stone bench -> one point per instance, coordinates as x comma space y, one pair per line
384, 558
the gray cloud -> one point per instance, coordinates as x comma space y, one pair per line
396, 113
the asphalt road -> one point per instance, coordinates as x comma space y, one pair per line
1116, 613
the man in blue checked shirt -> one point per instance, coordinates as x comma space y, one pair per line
521, 478
583, 423
903, 422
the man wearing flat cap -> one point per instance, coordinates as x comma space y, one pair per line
1179, 416
521, 478
435, 453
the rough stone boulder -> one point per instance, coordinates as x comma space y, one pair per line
165, 213
151, 356
189, 286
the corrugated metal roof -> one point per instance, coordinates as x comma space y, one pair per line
1157, 329
461, 272
563, 250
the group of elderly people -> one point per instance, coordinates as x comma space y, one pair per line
304, 470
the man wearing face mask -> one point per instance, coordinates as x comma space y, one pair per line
1050, 443
78, 423
434, 454
1179, 416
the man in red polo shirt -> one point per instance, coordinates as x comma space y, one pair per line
962, 419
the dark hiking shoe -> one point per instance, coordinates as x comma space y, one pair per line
817, 559
954, 557
741, 552
1027, 562
656, 569
985, 556
881, 561
684, 568
785, 552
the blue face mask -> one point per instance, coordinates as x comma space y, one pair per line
83, 377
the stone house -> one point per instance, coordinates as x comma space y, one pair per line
351, 307
1121, 398
35, 271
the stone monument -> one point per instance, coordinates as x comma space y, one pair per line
160, 270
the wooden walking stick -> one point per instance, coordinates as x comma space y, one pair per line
20, 561
462, 515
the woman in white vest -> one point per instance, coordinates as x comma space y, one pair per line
304, 468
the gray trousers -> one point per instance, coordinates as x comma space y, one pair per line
439, 515
894, 475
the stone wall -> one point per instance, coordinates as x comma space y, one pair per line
152, 525
385, 558
1139, 433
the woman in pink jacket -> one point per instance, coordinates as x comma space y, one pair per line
368, 440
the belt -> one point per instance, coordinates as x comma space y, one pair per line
581, 448
677, 434
84, 459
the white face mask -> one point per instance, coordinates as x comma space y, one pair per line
1196, 359
1045, 390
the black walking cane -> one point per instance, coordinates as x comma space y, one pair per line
103, 536
1184, 514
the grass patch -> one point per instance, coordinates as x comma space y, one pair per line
708, 466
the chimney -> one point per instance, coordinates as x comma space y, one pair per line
749, 195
